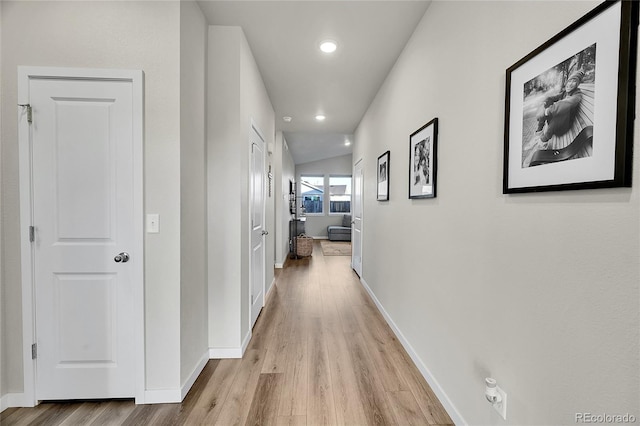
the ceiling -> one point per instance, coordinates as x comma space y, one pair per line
302, 81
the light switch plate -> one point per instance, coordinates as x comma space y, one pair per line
153, 223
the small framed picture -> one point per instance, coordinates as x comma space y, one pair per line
383, 177
423, 161
569, 106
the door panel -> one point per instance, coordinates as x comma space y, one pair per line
82, 139
83, 169
257, 224
92, 340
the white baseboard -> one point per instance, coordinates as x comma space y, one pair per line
194, 375
11, 400
245, 342
280, 265
162, 396
18, 400
266, 297
224, 353
431, 380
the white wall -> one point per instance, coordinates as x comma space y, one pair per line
539, 291
236, 98
255, 106
224, 186
128, 35
285, 172
316, 226
193, 215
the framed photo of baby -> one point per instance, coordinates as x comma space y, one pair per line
383, 176
423, 161
570, 106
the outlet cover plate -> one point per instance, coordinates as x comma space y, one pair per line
501, 407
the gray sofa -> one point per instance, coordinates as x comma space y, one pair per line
340, 233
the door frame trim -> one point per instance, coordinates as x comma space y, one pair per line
355, 165
136, 77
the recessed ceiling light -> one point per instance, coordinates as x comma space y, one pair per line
320, 117
328, 46
287, 119
347, 143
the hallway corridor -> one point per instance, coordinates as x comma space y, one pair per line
320, 354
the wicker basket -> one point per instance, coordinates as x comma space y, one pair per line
304, 245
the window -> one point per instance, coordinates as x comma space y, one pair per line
312, 194
340, 194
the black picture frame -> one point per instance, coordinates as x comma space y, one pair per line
382, 173
423, 161
292, 197
559, 137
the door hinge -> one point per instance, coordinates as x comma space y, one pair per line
252, 300
34, 351
32, 233
29, 112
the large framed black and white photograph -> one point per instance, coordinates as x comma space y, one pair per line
570, 106
383, 177
423, 161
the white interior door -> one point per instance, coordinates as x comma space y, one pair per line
85, 253
258, 231
356, 255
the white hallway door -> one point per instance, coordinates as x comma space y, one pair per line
84, 253
356, 255
258, 232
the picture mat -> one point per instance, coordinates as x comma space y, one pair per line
601, 165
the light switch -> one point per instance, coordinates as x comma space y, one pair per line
153, 223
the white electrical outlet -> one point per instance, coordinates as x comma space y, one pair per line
501, 407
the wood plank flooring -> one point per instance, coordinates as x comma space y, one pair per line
321, 354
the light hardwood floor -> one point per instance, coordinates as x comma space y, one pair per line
321, 354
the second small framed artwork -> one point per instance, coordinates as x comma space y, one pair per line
423, 162
383, 176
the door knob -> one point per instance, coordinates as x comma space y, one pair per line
122, 257
265, 232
